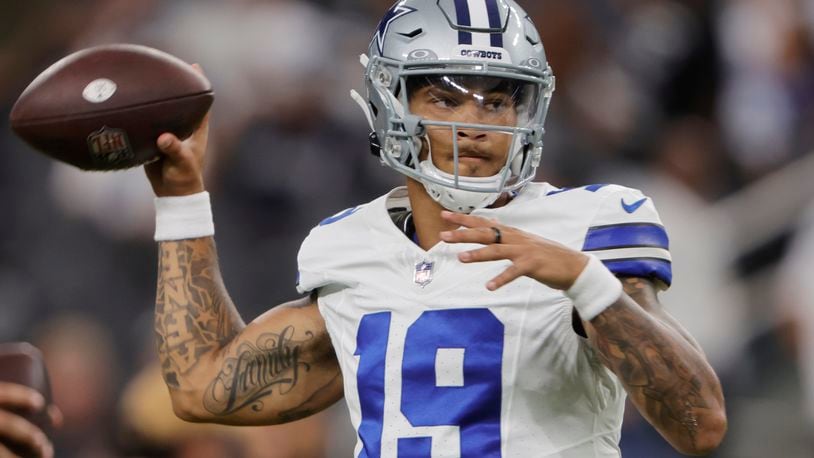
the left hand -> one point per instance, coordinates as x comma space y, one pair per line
550, 263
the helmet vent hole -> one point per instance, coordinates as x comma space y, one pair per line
412, 34
532, 40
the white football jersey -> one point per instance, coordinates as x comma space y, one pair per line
435, 365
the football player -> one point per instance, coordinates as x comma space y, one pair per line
471, 313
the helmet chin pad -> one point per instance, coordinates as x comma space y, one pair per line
460, 200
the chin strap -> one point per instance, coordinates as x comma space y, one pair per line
459, 200
364, 106
364, 60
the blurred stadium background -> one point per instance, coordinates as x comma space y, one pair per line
705, 105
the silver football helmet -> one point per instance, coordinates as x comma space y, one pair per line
484, 51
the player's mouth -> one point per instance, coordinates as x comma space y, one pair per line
473, 157
476, 164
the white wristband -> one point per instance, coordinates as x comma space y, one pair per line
595, 290
185, 217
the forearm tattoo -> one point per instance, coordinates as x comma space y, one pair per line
316, 401
194, 314
272, 365
664, 375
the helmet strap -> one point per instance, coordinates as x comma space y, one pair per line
453, 199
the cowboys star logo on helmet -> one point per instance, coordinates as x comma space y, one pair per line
392, 14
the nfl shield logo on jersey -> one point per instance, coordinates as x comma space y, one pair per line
423, 273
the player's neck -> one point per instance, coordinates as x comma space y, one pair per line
427, 215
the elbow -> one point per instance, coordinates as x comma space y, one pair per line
708, 438
185, 408
186, 414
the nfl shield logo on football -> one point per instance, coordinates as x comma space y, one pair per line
423, 273
110, 145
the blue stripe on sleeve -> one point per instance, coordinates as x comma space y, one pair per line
595, 187
464, 19
339, 217
642, 267
591, 188
626, 236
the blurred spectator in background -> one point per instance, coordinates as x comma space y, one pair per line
149, 427
795, 292
766, 100
81, 358
681, 177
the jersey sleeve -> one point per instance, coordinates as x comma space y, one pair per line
628, 237
326, 252
309, 276
314, 263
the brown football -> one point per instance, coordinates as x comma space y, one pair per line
103, 108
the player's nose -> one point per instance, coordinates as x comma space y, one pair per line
472, 113
471, 134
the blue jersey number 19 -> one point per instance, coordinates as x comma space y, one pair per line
472, 404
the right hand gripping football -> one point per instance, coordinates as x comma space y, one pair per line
179, 172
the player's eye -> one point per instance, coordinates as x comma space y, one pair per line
497, 103
443, 101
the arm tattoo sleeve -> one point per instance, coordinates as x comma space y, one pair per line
665, 375
194, 314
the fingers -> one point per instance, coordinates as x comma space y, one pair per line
20, 397
198, 69
528, 253
176, 149
482, 235
6, 453
490, 253
179, 170
480, 231
512, 273
17, 429
467, 220
497, 253
55, 415
170, 145
182, 151
201, 134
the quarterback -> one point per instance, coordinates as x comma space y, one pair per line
470, 313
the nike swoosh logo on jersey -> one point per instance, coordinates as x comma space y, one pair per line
632, 208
